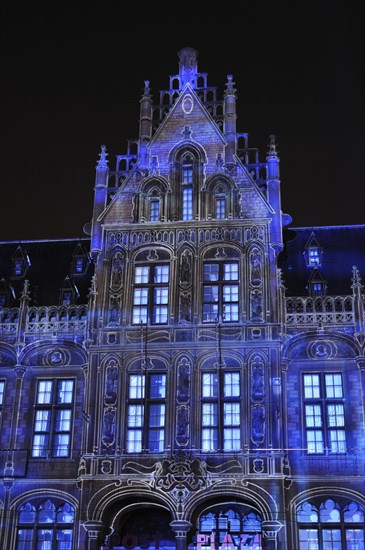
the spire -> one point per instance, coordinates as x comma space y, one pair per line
229, 121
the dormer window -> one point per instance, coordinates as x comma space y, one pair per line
20, 263
313, 252
313, 257
80, 260
317, 285
68, 293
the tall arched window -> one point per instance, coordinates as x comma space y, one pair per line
328, 525
46, 525
187, 175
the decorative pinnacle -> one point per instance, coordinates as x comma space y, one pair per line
230, 84
102, 162
272, 147
146, 87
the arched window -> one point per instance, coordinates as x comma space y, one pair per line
46, 525
187, 188
330, 525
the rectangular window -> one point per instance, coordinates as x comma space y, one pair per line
187, 202
324, 413
146, 411
53, 419
313, 256
220, 411
220, 299
220, 207
151, 294
154, 210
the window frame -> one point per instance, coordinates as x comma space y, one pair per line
215, 401
50, 420
324, 415
145, 402
150, 297
217, 292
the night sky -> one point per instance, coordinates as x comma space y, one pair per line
72, 77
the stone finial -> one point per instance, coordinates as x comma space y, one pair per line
102, 162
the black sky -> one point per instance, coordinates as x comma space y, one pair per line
72, 77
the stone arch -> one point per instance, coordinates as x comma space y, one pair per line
220, 190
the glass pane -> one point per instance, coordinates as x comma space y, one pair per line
232, 439
61, 445
230, 312
337, 441
140, 296
311, 386
333, 385
27, 513
66, 514
210, 293
331, 539
230, 272
210, 313
353, 513
42, 421
209, 439
40, 445
187, 203
24, 539
154, 210
209, 414
314, 441
63, 420
156, 441
209, 384
230, 293
308, 539
64, 539
65, 391
158, 386
313, 416
161, 274
355, 539
231, 414
44, 394
2, 385
159, 314
135, 416
157, 416
220, 208
139, 315
141, 275
47, 513
231, 384
335, 415
329, 512
161, 295
211, 272
134, 441
136, 386
307, 513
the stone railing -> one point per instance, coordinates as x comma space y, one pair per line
320, 310
46, 321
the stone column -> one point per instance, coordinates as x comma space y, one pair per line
270, 529
94, 531
180, 527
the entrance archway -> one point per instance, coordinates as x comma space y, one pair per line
143, 528
227, 525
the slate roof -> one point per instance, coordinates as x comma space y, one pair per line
51, 261
343, 247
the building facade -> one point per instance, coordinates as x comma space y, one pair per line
191, 374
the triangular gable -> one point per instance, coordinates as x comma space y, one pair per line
189, 110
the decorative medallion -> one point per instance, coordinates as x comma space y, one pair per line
188, 104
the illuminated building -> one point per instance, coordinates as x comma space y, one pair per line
193, 370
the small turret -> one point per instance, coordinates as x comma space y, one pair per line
273, 187
145, 123
100, 196
230, 117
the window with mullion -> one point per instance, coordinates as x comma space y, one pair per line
220, 207
187, 175
220, 292
324, 413
53, 418
220, 412
151, 294
146, 413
